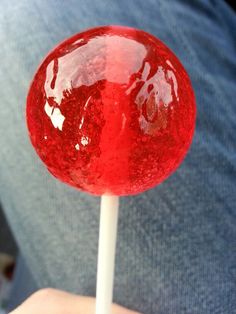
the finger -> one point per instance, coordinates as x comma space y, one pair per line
52, 301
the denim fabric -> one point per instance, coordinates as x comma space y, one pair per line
176, 250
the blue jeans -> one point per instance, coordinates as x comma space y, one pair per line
176, 249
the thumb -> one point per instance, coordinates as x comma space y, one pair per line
53, 301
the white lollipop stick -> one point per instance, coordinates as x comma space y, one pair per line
106, 253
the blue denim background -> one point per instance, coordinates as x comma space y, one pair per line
176, 248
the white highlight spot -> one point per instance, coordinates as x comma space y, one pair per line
77, 146
85, 108
171, 75
81, 122
55, 115
170, 64
84, 140
86, 104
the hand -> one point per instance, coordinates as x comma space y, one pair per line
53, 301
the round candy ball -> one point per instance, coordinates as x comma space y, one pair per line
111, 110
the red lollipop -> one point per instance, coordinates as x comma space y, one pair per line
111, 111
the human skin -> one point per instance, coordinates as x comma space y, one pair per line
53, 301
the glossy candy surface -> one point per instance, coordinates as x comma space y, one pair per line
111, 111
